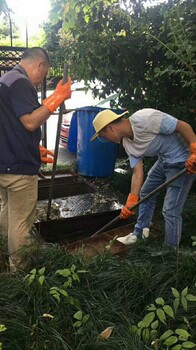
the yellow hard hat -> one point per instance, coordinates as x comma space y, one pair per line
104, 118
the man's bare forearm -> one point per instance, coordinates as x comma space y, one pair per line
37, 118
186, 131
137, 178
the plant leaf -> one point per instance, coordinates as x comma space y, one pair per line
177, 347
77, 324
2, 328
171, 340
166, 334
184, 303
31, 279
152, 307
185, 291
141, 324
161, 315
64, 272
73, 268
183, 333
85, 318
78, 315
63, 292
41, 271
168, 310
146, 334
56, 296
75, 277
41, 280
160, 301
176, 304
175, 293
147, 320
188, 345
155, 324
191, 297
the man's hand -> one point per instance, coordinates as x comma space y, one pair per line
131, 201
191, 162
43, 154
60, 94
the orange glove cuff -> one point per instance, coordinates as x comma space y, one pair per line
193, 147
131, 201
191, 164
60, 94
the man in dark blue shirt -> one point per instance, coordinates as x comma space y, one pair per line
21, 116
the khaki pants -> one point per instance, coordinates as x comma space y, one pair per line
18, 195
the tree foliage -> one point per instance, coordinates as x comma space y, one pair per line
4, 7
146, 54
8, 29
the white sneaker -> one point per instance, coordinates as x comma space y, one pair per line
131, 238
145, 233
127, 240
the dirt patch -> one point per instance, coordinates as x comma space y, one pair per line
101, 243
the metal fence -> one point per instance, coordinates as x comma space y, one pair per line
9, 57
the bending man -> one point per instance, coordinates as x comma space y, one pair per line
146, 133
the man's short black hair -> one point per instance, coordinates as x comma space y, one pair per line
35, 52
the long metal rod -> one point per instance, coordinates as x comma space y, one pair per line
156, 190
61, 110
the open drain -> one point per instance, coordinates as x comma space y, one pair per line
78, 212
63, 186
76, 228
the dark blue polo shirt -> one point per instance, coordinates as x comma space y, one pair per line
19, 148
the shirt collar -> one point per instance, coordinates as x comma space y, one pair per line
21, 70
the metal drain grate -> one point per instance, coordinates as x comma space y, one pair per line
88, 203
73, 206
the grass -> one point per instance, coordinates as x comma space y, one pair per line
49, 167
113, 292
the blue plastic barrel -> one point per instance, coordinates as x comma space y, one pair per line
96, 158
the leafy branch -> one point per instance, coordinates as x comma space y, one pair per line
159, 314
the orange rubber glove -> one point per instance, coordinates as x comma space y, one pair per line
43, 154
191, 162
131, 201
60, 94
